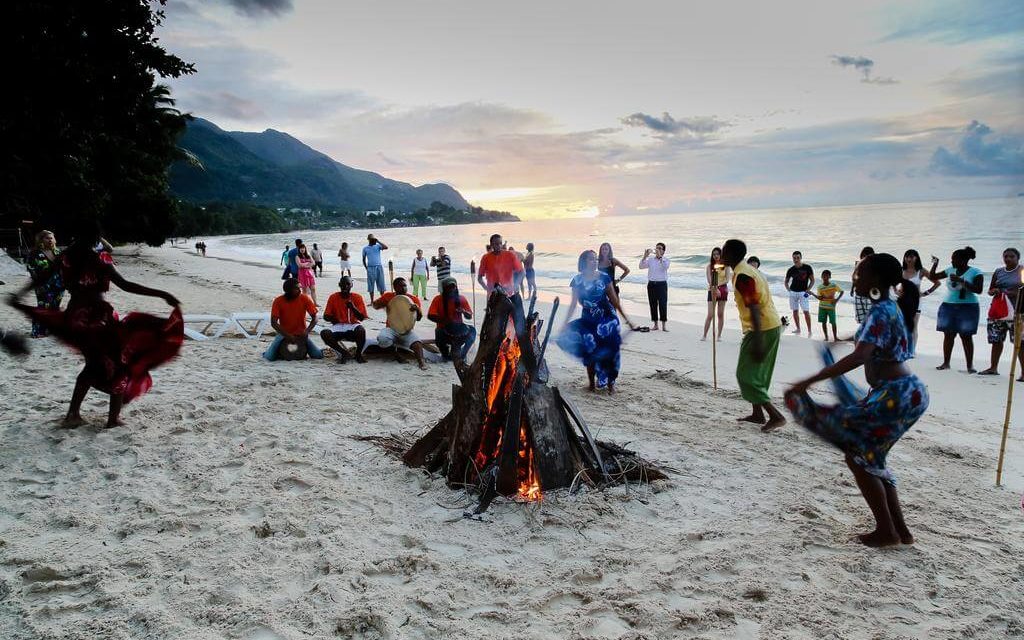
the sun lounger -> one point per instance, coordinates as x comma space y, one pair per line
261, 320
218, 324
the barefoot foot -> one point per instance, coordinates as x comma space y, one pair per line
877, 539
773, 424
71, 421
755, 419
942, 367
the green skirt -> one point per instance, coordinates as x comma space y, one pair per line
755, 378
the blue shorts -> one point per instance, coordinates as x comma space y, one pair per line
375, 277
961, 319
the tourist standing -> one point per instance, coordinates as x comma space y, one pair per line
346, 311
866, 428
594, 337
44, 268
828, 294
607, 262
914, 274
657, 284
343, 260
374, 266
1006, 282
762, 330
960, 312
717, 275
861, 305
118, 353
419, 274
284, 256
448, 310
799, 281
442, 264
293, 264
500, 267
531, 274
307, 273
318, 259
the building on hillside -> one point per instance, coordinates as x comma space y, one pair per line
379, 212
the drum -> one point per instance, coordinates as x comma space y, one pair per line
401, 317
292, 349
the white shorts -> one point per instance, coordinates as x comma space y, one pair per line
344, 264
387, 337
799, 301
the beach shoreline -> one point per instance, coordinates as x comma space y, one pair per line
237, 503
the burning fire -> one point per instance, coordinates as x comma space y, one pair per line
499, 392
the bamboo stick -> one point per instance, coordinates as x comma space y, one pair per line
1018, 326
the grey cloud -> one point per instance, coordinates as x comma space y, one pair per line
697, 127
260, 8
865, 65
976, 156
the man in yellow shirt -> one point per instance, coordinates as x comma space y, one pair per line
762, 330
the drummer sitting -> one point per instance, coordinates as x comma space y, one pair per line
346, 312
404, 317
288, 317
448, 310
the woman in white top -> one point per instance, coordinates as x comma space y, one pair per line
914, 272
657, 284
717, 275
420, 274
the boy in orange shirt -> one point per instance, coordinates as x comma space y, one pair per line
288, 317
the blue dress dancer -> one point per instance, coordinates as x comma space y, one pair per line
594, 337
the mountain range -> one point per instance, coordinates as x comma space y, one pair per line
275, 169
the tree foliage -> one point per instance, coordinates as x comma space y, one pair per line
87, 131
226, 218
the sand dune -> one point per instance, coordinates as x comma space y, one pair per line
237, 504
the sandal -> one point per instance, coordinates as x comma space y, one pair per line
642, 329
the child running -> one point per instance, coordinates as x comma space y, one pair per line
828, 294
865, 427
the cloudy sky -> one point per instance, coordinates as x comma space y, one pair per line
574, 107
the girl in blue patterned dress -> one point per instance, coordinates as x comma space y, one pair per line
863, 426
44, 267
594, 337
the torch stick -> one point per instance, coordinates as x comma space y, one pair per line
1018, 326
391, 274
714, 326
472, 280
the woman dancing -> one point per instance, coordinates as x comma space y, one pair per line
866, 427
118, 353
594, 337
44, 268
717, 275
307, 277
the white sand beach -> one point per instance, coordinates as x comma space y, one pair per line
236, 502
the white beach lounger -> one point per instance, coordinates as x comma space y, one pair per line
262, 320
222, 324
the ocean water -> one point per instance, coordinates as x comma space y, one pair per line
829, 237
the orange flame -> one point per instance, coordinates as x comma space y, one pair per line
499, 391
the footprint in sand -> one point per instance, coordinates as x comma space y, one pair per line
291, 485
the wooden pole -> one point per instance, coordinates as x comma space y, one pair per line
472, 279
391, 275
1018, 326
714, 327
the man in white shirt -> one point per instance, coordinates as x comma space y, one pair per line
657, 284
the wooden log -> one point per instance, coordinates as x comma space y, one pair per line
591, 444
508, 462
417, 454
554, 457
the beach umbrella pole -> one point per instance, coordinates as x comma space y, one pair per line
1018, 326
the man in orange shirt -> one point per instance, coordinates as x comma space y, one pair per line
388, 337
500, 267
346, 312
452, 336
288, 317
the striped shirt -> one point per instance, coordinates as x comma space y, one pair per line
442, 266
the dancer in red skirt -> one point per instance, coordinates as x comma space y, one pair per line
119, 353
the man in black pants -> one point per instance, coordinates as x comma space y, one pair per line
657, 284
